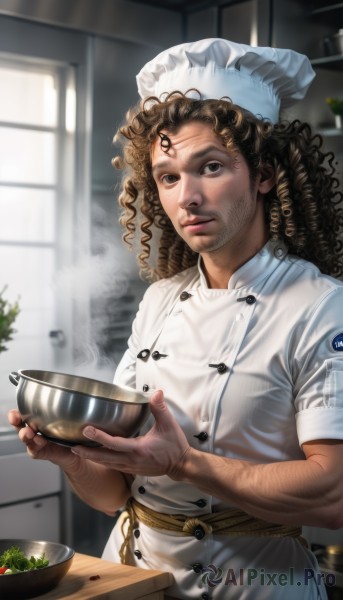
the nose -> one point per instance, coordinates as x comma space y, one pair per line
189, 193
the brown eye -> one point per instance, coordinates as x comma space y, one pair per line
168, 179
211, 167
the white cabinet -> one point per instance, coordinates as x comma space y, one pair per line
30, 498
35, 520
23, 478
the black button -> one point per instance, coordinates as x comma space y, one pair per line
145, 387
184, 296
221, 367
143, 354
205, 596
199, 532
197, 567
250, 299
201, 503
279, 252
202, 436
138, 554
157, 355
141, 489
136, 533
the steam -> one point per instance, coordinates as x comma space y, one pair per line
104, 289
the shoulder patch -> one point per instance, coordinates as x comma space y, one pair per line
337, 342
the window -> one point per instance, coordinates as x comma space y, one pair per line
37, 126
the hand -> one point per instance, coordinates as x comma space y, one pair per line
38, 446
161, 451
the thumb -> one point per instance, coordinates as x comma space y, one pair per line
159, 409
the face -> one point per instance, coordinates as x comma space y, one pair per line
207, 193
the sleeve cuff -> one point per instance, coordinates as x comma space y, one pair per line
319, 424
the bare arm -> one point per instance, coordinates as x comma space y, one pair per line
87, 478
304, 492
102, 488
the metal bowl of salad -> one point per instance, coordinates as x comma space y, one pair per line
31, 568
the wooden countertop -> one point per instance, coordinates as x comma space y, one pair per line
114, 582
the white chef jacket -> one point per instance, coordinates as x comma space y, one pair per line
250, 372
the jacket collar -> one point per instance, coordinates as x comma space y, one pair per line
255, 269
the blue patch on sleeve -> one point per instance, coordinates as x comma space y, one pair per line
337, 343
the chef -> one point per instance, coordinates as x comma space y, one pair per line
239, 339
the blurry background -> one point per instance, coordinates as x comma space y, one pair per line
67, 77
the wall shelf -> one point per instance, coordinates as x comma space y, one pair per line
327, 9
331, 15
330, 132
334, 62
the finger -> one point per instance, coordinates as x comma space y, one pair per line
14, 418
108, 441
103, 455
39, 440
160, 411
33, 440
121, 444
157, 400
26, 434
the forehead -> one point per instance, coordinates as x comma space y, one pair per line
188, 138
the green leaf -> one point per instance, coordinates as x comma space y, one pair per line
8, 314
15, 559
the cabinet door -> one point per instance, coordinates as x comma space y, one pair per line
35, 520
26, 478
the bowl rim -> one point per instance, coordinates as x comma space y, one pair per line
142, 397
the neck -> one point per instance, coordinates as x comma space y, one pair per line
219, 269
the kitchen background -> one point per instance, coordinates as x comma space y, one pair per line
67, 76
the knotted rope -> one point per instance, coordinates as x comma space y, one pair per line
232, 521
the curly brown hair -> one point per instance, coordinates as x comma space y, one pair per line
304, 208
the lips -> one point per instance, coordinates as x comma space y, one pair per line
194, 222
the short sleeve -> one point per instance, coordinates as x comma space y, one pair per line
318, 364
323, 418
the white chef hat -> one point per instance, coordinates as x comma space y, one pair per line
262, 80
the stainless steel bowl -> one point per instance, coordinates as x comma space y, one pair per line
59, 406
20, 586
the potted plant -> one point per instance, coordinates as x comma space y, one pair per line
8, 314
336, 105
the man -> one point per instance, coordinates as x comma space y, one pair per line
239, 339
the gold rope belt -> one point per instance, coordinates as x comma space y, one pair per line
233, 522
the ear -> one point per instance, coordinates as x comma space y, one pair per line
267, 179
